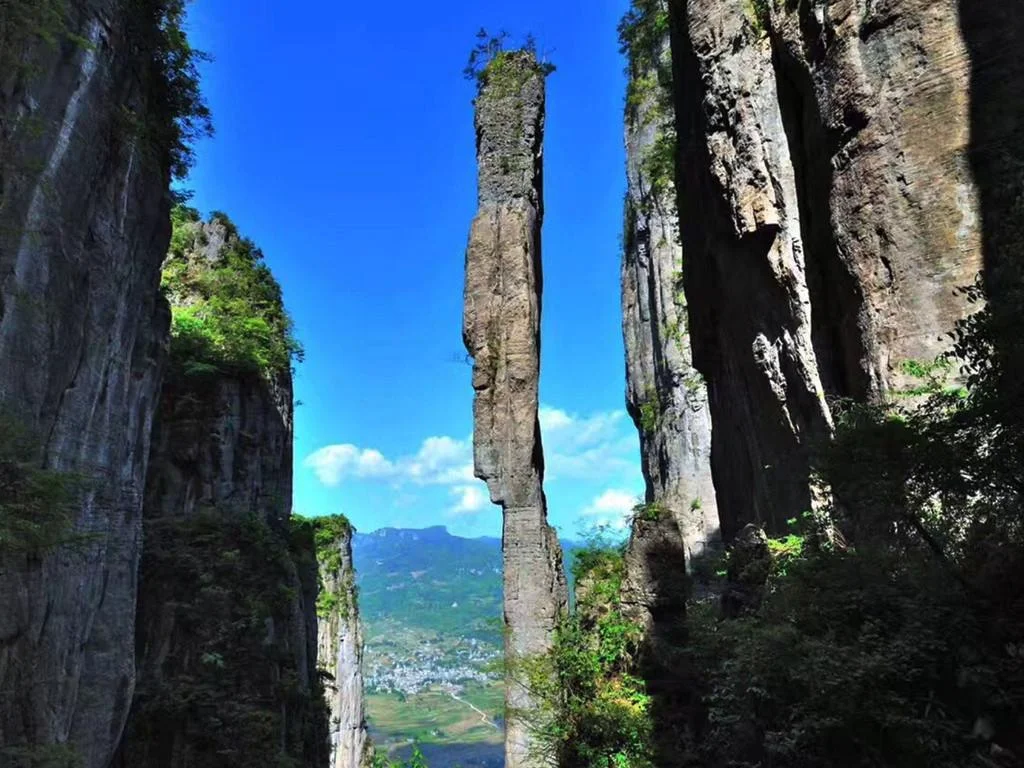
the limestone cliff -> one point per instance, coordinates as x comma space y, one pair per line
340, 644
501, 329
226, 634
664, 393
827, 213
83, 229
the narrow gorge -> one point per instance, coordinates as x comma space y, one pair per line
226, 635
820, 281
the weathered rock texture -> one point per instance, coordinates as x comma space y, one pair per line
227, 627
827, 213
340, 646
664, 393
83, 228
501, 329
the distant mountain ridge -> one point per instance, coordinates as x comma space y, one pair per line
430, 579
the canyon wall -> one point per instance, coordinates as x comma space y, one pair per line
227, 630
665, 394
827, 213
501, 330
83, 229
839, 169
340, 644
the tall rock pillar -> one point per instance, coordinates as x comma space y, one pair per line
501, 330
340, 643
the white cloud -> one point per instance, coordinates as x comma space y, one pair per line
552, 419
439, 461
613, 507
471, 499
596, 447
335, 462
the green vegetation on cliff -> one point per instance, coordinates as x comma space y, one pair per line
223, 591
593, 712
37, 505
40, 756
23, 20
504, 70
228, 315
644, 38
328, 532
888, 630
179, 100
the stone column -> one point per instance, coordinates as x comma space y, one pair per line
501, 330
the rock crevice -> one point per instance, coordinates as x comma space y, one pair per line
825, 221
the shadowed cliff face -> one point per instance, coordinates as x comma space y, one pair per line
664, 393
994, 37
83, 228
827, 210
749, 304
501, 329
227, 632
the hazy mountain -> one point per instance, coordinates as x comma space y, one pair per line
429, 579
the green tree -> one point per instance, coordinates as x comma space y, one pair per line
592, 710
890, 632
228, 313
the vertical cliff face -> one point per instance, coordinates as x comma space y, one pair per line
827, 213
226, 610
665, 394
83, 228
749, 304
340, 644
501, 329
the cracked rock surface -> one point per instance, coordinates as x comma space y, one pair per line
501, 329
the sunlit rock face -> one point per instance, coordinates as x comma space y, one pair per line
828, 210
340, 654
84, 227
501, 329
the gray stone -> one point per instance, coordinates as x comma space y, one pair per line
665, 395
825, 217
84, 227
340, 654
501, 330
750, 564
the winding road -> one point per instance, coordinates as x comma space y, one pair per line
483, 715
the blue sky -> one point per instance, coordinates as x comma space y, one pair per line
344, 148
